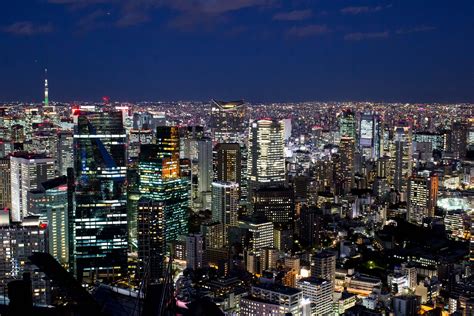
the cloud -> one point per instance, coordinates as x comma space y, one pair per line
134, 12
308, 30
364, 9
417, 29
366, 36
297, 15
27, 28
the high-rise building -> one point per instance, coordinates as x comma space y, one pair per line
369, 135
194, 251
100, 219
205, 172
458, 139
347, 124
259, 233
136, 138
276, 204
270, 299
51, 204
227, 163
162, 210
225, 205
319, 292
401, 154
151, 238
422, 198
65, 152
160, 180
28, 171
324, 266
5, 184
266, 163
310, 226
347, 158
18, 241
227, 120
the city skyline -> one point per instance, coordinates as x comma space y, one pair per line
263, 51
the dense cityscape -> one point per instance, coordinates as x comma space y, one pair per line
236, 208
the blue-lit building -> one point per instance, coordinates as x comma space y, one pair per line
100, 215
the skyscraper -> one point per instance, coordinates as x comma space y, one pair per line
5, 184
18, 241
401, 154
227, 120
347, 156
100, 220
266, 163
28, 171
324, 266
227, 162
347, 124
151, 238
205, 171
422, 197
225, 205
369, 135
164, 217
65, 154
276, 204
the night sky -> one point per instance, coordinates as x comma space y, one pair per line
258, 50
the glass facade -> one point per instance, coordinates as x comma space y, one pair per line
100, 219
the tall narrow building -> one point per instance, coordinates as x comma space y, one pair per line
422, 198
225, 205
100, 219
401, 154
5, 184
228, 162
227, 120
163, 206
266, 163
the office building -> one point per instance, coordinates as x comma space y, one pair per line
225, 205
151, 239
269, 299
5, 184
276, 204
18, 241
319, 292
266, 157
422, 198
28, 171
227, 120
100, 219
401, 153
227, 162
324, 266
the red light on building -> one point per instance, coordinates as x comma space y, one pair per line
43, 225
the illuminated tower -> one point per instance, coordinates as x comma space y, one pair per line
422, 198
225, 204
369, 135
100, 220
347, 124
266, 163
227, 120
166, 194
347, 155
46, 90
401, 154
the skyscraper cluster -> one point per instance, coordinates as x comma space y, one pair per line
292, 208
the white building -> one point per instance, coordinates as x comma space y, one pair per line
28, 171
319, 292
